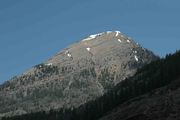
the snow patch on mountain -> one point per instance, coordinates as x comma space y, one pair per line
117, 33
88, 49
92, 37
119, 40
128, 41
136, 58
135, 52
49, 64
109, 32
69, 55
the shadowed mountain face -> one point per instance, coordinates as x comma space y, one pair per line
77, 74
159, 104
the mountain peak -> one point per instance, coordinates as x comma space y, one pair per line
79, 73
93, 36
109, 35
96, 45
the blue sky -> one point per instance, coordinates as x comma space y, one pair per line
31, 31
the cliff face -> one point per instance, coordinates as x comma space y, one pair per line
75, 75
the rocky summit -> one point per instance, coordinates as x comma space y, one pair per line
80, 73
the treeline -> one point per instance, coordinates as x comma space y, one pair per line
154, 75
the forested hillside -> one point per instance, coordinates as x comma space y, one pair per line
152, 76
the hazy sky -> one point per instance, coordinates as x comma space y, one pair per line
33, 30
